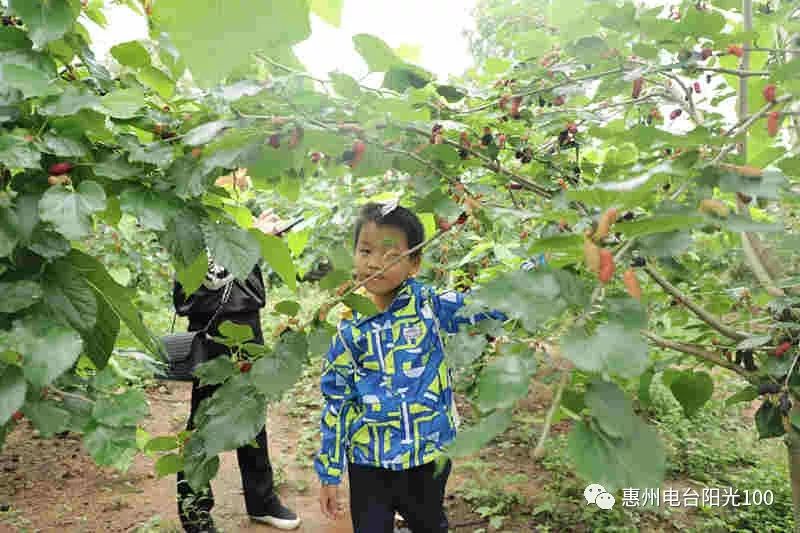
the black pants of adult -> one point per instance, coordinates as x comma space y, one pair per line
417, 494
194, 506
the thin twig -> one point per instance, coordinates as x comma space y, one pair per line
704, 315
538, 452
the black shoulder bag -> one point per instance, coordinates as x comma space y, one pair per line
187, 350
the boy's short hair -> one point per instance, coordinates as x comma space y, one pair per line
399, 217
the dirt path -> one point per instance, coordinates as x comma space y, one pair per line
52, 485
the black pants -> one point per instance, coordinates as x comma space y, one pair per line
417, 494
194, 507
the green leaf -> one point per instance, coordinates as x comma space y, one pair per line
116, 168
612, 349
132, 54
30, 81
402, 76
216, 37
16, 153
111, 446
205, 133
72, 100
361, 304
69, 296
70, 212
13, 38
701, 23
157, 80
190, 177
692, 390
12, 391
47, 417
377, 54
161, 444
152, 209
754, 341
591, 49
18, 295
747, 394
169, 464
277, 255
123, 103
63, 146
125, 409
234, 248
236, 334
273, 375
462, 348
232, 418
638, 461
156, 153
328, 10
610, 408
451, 94
49, 349
117, 297
47, 20
769, 185
769, 421
288, 307
504, 381
472, 439
658, 224
99, 342
345, 85
184, 241
199, 467
9, 234
532, 297
215, 371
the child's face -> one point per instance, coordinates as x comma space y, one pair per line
377, 246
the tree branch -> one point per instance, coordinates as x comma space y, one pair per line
704, 315
697, 351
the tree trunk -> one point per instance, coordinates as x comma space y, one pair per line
792, 440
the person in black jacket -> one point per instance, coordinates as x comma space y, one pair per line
245, 300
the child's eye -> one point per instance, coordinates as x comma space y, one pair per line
363, 251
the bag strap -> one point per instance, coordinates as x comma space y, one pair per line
225, 297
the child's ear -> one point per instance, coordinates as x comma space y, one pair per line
417, 263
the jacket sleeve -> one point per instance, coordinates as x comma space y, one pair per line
447, 304
339, 392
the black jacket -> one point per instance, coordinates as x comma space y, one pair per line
246, 299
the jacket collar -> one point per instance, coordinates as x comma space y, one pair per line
404, 293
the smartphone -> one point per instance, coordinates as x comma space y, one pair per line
290, 226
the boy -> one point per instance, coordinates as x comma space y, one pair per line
388, 392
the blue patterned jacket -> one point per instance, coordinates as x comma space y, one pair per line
387, 388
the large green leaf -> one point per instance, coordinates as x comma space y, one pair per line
504, 381
16, 153
612, 348
118, 298
692, 390
47, 417
233, 418
215, 371
117, 410
216, 37
637, 461
378, 55
72, 100
610, 408
62, 146
12, 391
274, 374
769, 421
132, 54
473, 439
9, 234
48, 348
124, 103
111, 446
464, 348
18, 295
153, 209
47, 20
232, 247
69, 296
190, 177
70, 212
99, 342
532, 297
31, 81
276, 253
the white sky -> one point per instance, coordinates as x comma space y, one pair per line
436, 26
